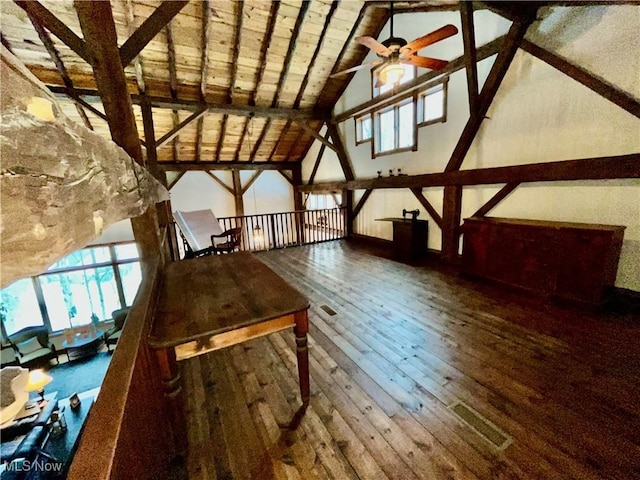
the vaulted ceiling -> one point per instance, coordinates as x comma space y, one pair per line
237, 81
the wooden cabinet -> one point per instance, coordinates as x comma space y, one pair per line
409, 238
570, 261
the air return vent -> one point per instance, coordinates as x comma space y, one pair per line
328, 309
481, 425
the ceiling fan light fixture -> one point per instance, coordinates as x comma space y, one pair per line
391, 73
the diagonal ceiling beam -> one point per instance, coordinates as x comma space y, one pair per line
175, 180
496, 199
220, 182
343, 156
601, 87
62, 70
173, 86
316, 135
176, 130
253, 178
469, 40
491, 86
149, 29
98, 28
360, 204
427, 205
318, 159
129, 21
48, 20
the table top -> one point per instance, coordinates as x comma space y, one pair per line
80, 341
209, 295
399, 220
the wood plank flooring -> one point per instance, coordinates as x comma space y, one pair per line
405, 344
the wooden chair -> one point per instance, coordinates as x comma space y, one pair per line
232, 235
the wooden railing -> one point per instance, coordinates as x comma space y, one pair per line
287, 229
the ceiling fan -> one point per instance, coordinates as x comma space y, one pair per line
395, 51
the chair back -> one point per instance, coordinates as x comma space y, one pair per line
119, 316
27, 333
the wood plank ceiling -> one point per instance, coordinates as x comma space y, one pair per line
239, 77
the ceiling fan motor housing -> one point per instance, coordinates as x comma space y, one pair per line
394, 43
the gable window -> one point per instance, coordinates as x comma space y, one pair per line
363, 129
432, 105
394, 128
408, 75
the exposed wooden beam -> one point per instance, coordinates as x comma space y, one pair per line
317, 136
149, 29
361, 202
427, 205
183, 166
73, 94
220, 182
253, 178
176, 180
150, 140
62, 70
450, 224
287, 177
496, 199
167, 137
129, 21
6, 45
204, 73
318, 159
173, 85
212, 107
600, 168
469, 40
237, 193
281, 140
48, 20
489, 90
601, 87
343, 156
483, 52
266, 43
98, 28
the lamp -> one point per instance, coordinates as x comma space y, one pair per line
391, 73
37, 381
258, 237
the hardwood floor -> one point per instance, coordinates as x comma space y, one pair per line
405, 344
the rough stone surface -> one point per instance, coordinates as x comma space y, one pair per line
60, 183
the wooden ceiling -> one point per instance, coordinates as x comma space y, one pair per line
228, 81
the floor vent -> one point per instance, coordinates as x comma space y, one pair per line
328, 309
481, 425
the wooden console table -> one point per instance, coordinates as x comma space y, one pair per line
568, 261
212, 302
409, 237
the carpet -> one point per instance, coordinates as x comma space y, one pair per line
79, 375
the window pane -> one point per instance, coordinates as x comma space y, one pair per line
19, 306
87, 256
126, 251
433, 105
405, 115
387, 131
131, 278
73, 298
366, 127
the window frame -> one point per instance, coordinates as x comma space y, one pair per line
425, 92
358, 122
396, 127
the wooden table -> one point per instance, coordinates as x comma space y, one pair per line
208, 303
83, 346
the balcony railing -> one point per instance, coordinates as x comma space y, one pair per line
286, 229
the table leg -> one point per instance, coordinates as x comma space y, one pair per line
302, 351
173, 395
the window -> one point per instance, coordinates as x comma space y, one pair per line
432, 105
19, 306
363, 129
394, 128
84, 286
323, 201
409, 74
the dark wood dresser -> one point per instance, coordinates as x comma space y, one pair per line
409, 238
567, 261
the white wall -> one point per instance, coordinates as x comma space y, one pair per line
538, 115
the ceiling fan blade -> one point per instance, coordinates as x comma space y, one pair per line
372, 44
425, 62
356, 68
433, 37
